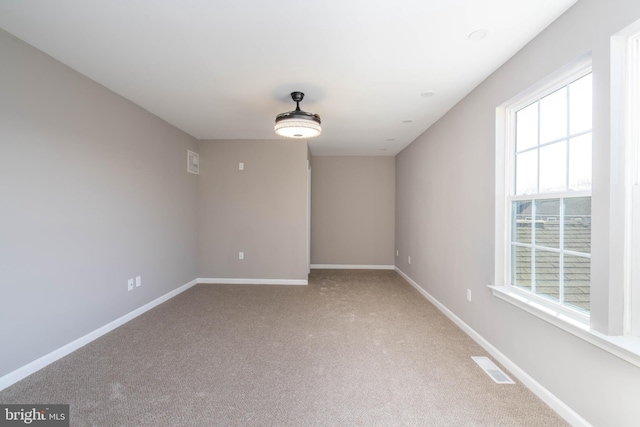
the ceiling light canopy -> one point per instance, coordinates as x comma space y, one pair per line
298, 124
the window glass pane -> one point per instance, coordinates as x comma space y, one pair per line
577, 280
580, 162
527, 127
577, 224
548, 274
521, 222
553, 116
548, 223
580, 107
527, 172
553, 167
521, 267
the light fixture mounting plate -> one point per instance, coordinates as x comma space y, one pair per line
297, 96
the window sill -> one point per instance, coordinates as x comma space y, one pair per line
624, 347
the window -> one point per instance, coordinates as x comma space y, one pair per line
625, 171
549, 193
632, 293
543, 240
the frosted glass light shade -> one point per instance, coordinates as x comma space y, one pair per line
297, 128
298, 124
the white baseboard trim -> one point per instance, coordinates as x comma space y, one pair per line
351, 267
209, 281
550, 399
32, 367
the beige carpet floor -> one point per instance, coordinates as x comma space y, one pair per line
354, 348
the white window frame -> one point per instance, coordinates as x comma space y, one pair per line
625, 172
576, 72
505, 189
626, 347
632, 193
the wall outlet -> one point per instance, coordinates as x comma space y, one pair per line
469, 295
240, 255
240, 166
138, 281
130, 284
409, 259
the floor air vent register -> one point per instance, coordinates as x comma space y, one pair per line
496, 374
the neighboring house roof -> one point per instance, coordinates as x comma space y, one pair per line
577, 238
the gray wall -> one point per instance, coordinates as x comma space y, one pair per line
352, 210
445, 218
93, 191
261, 210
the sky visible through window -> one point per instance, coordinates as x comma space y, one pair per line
550, 131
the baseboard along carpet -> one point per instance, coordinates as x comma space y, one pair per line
353, 348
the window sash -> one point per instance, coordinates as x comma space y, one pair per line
534, 246
511, 153
550, 195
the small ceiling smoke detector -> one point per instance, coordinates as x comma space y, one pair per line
298, 124
478, 35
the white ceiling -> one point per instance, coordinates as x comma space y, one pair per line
223, 69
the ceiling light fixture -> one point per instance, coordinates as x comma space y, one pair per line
298, 124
